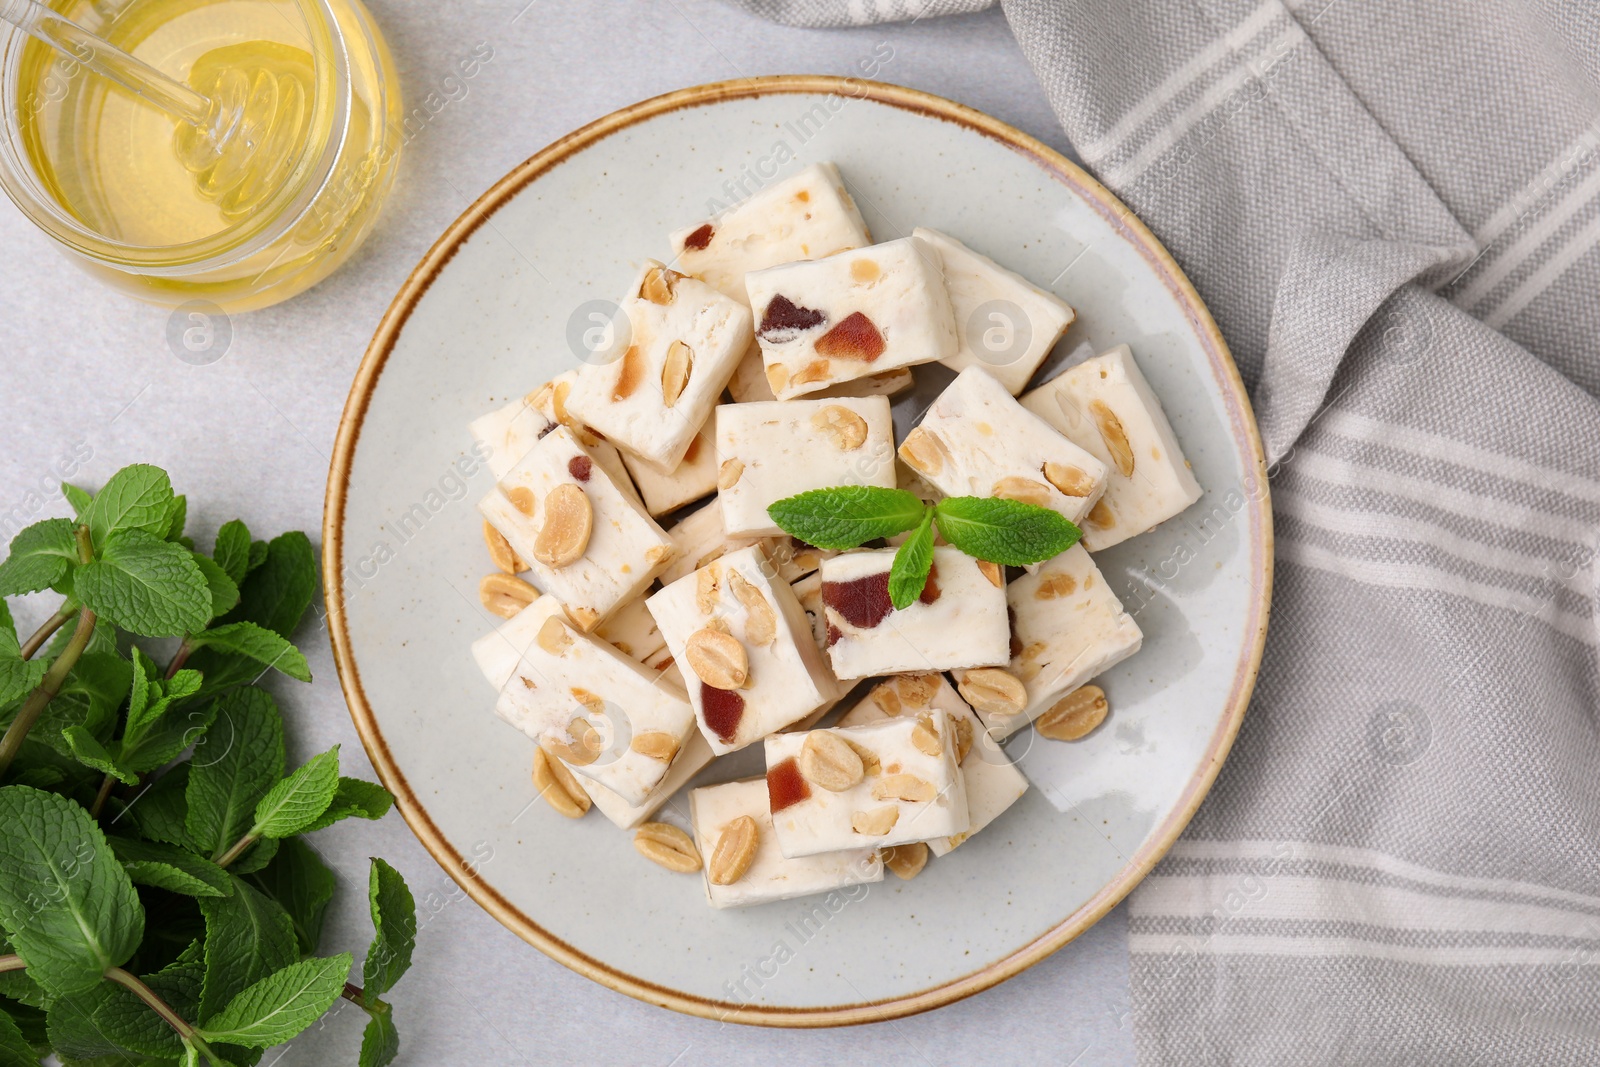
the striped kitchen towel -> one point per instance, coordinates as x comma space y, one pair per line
1392, 208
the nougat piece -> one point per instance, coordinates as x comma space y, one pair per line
685, 339
1068, 627
606, 716
976, 440
807, 216
857, 313
746, 650
887, 783
697, 539
774, 450
1005, 323
993, 783
749, 382
959, 621
694, 477
587, 543
693, 758
769, 875
1105, 406
510, 432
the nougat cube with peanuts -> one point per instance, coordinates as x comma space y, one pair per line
976, 440
508, 433
586, 542
992, 781
885, 783
684, 341
749, 383
740, 637
1106, 407
777, 449
694, 477
958, 621
1005, 323
606, 716
1068, 627
806, 216
851, 315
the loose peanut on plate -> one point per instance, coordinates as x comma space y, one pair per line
558, 786
906, 861
505, 594
1075, 715
665, 844
501, 554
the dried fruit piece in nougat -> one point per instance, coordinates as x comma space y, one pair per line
774, 450
745, 648
1067, 628
607, 717
976, 440
685, 339
886, 784
1105, 406
623, 551
993, 782
1006, 324
807, 216
959, 621
769, 876
857, 313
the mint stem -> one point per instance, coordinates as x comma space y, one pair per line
54, 678
354, 994
225, 858
131, 983
12, 963
45, 632
102, 796
179, 658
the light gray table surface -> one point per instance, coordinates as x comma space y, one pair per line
83, 369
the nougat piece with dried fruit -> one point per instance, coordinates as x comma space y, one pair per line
684, 341
587, 543
851, 315
510, 432
1067, 628
976, 440
1006, 324
699, 537
993, 782
887, 783
749, 383
774, 450
745, 648
744, 866
959, 621
806, 216
606, 716
694, 477
1106, 407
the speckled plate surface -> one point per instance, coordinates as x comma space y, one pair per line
484, 318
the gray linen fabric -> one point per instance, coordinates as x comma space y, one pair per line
1392, 208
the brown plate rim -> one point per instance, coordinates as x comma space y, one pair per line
459, 868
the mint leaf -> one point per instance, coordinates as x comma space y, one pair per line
135, 498
248, 936
255, 857
298, 800
77, 498
299, 881
161, 811
258, 554
103, 639
394, 918
234, 765
224, 594
72, 1031
18, 678
127, 1021
847, 516
173, 869
232, 550
15, 1050
908, 575
145, 690
17, 985
145, 585
91, 753
174, 731
67, 903
258, 644
177, 517
88, 698
278, 593
1004, 531
281, 1005
9, 645
366, 800
380, 1042
41, 555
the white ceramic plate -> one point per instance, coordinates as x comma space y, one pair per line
484, 318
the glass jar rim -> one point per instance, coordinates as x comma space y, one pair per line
283, 210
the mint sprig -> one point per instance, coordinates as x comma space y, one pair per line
992, 529
89, 929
